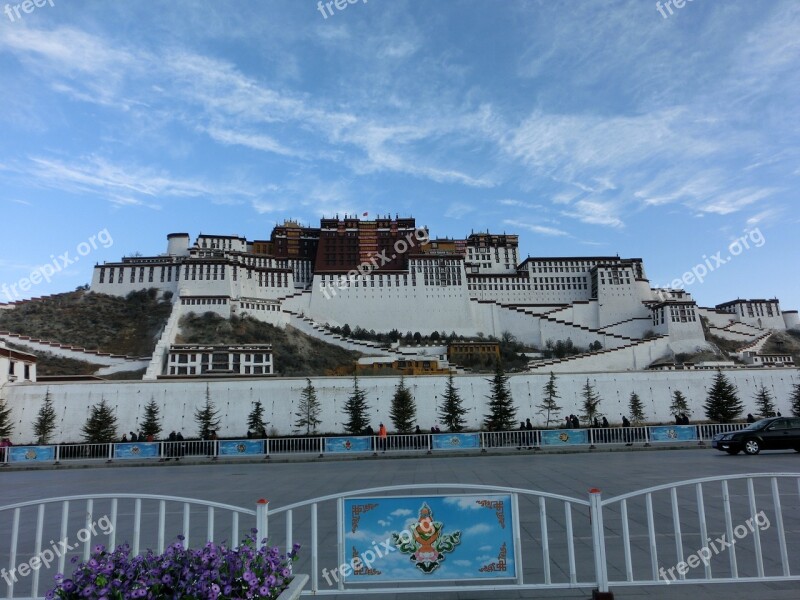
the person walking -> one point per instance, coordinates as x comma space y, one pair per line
5, 444
627, 425
531, 434
383, 435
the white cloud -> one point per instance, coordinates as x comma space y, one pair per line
596, 213
540, 229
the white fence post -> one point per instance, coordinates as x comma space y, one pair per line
599, 545
262, 523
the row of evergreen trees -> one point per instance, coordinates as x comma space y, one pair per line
722, 404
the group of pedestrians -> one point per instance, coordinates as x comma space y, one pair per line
137, 438
176, 447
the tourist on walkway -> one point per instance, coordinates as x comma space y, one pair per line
627, 436
383, 435
5, 443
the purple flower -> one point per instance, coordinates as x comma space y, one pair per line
214, 572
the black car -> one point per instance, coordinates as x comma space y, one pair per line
775, 433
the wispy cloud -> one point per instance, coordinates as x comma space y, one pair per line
540, 229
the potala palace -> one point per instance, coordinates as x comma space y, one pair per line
386, 274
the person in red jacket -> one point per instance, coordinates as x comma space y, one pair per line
383, 435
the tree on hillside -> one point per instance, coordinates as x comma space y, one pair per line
452, 412
101, 426
255, 421
765, 402
308, 410
636, 408
549, 406
722, 403
151, 424
357, 410
795, 400
6, 426
680, 405
45, 423
591, 403
403, 411
207, 417
502, 412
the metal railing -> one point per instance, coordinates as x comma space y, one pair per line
321, 446
725, 529
42, 536
694, 528
558, 559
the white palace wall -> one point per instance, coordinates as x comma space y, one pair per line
234, 399
411, 307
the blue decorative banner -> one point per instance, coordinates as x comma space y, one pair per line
31, 453
427, 538
565, 437
241, 448
136, 450
457, 441
673, 433
336, 445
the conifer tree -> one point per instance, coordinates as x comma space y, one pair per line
357, 410
403, 411
795, 400
308, 410
6, 426
45, 423
680, 405
255, 420
765, 402
549, 406
502, 412
207, 417
636, 408
101, 426
151, 424
722, 403
591, 402
452, 412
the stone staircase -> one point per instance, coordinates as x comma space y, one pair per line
107, 363
634, 356
167, 338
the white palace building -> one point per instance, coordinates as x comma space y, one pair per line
386, 274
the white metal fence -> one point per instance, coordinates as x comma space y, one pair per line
325, 446
737, 528
42, 536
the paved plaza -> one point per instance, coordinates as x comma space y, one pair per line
285, 483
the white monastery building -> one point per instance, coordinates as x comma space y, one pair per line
387, 273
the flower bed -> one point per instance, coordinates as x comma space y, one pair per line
213, 572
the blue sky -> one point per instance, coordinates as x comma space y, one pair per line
588, 128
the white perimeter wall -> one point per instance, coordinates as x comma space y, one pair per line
179, 399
